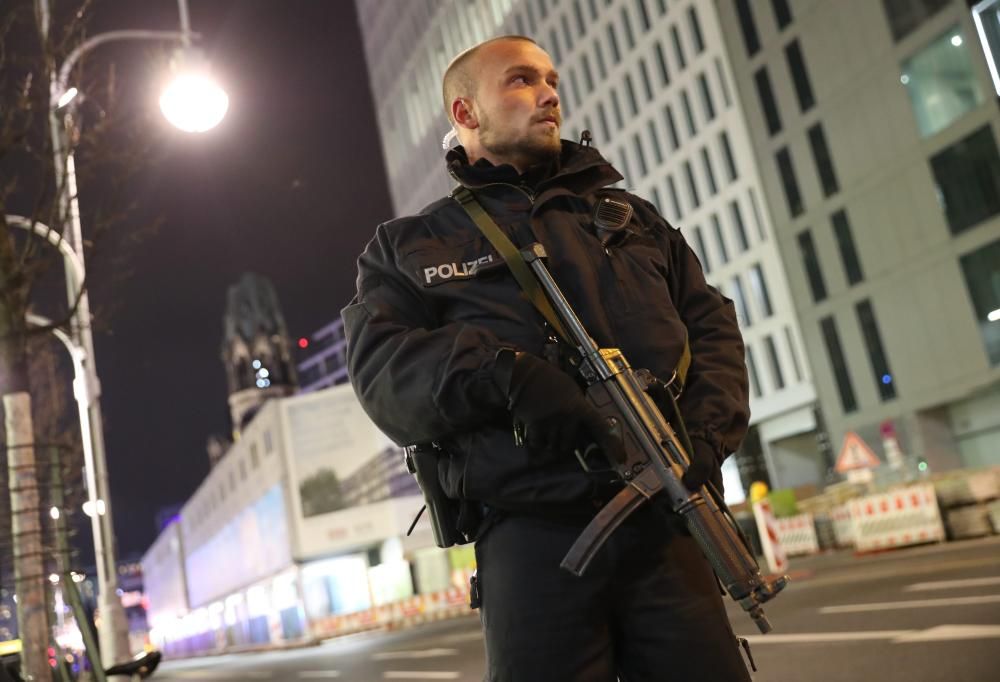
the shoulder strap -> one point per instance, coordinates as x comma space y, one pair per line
511, 255
523, 275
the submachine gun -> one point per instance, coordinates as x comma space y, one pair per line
654, 462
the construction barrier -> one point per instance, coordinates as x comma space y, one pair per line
843, 525
767, 529
421, 608
797, 534
908, 516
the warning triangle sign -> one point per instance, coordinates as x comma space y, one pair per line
855, 454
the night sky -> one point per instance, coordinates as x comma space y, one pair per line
291, 186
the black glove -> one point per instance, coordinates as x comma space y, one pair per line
554, 411
705, 467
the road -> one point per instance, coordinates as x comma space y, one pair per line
924, 614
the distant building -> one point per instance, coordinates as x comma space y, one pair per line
834, 166
325, 364
255, 349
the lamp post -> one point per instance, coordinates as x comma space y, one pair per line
113, 631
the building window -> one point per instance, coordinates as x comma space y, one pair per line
581, 26
243, 470
787, 173
668, 117
654, 136
747, 26
696, 37
692, 186
658, 201
720, 239
268, 442
640, 7
831, 339
941, 82
602, 68
647, 86
699, 239
757, 218
738, 226
810, 261
626, 171
767, 102
759, 287
906, 15
588, 75
774, 362
982, 278
727, 155
968, 179
616, 109
800, 77
706, 97
674, 200
824, 163
876, 353
793, 354
740, 299
254, 456
616, 55
688, 114
554, 42
723, 85
661, 63
575, 87
602, 117
640, 154
593, 9
752, 372
633, 105
782, 13
675, 37
845, 243
627, 23
706, 161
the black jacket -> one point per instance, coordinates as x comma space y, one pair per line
435, 303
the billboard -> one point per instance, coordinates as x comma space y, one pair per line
348, 483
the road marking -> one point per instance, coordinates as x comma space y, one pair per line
315, 674
952, 584
419, 675
860, 572
943, 632
802, 637
934, 634
462, 637
424, 653
911, 604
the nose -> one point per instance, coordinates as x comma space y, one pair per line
549, 96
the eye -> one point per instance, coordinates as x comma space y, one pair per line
521, 79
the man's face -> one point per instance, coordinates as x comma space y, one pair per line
516, 103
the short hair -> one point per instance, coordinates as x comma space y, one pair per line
459, 79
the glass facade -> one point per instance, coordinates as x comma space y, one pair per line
941, 82
981, 269
905, 16
968, 180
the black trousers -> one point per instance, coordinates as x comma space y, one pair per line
647, 609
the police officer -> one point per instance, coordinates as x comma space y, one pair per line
444, 348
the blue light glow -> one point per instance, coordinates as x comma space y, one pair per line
886, 379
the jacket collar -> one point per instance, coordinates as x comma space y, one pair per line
577, 168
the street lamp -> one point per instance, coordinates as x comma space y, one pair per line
63, 98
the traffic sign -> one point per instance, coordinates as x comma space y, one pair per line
855, 454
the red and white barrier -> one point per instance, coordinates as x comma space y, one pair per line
909, 516
797, 534
767, 529
843, 525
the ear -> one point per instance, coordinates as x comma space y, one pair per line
461, 110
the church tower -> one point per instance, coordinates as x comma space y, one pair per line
256, 349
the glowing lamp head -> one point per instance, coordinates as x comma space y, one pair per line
193, 101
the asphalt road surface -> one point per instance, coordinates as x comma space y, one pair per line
926, 614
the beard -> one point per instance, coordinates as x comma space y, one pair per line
523, 151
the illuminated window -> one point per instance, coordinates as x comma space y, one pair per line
982, 279
968, 180
941, 82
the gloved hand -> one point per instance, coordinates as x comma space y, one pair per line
705, 466
554, 411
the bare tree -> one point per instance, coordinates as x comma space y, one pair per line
32, 45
